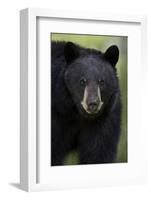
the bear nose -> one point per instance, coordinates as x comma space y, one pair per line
92, 106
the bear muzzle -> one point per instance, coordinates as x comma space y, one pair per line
92, 102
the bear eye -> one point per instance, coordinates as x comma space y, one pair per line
83, 82
101, 83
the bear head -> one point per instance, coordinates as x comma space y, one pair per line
90, 77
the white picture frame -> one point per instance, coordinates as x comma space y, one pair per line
35, 174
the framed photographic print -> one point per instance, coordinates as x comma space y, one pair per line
81, 78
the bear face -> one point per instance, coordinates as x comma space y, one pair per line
90, 78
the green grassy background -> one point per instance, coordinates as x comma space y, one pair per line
102, 43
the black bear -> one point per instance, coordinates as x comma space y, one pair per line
86, 105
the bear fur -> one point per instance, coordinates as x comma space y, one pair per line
94, 131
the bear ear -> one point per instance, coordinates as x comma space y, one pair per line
71, 52
112, 55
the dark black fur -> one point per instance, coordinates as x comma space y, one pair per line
95, 139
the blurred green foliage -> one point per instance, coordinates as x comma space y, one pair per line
102, 43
